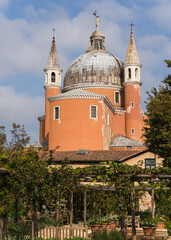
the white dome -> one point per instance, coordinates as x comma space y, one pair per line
92, 68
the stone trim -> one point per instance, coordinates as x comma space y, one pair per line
88, 96
132, 64
132, 82
125, 146
120, 110
90, 85
52, 86
143, 112
41, 117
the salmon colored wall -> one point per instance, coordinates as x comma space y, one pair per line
119, 124
75, 130
133, 115
42, 130
107, 126
143, 117
109, 93
49, 92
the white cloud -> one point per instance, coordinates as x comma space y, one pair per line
160, 13
4, 3
20, 108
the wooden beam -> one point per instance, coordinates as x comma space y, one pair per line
71, 209
133, 214
103, 188
85, 207
152, 203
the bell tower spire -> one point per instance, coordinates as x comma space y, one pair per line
52, 80
132, 90
53, 70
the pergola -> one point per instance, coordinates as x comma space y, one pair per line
86, 179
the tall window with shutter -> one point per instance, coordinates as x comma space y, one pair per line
93, 112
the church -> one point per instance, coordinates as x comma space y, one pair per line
99, 105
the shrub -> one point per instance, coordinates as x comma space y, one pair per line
45, 221
147, 214
76, 238
18, 230
115, 235
112, 235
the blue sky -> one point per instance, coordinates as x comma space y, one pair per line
26, 35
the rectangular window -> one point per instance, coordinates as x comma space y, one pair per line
117, 97
150, 163
132, 130
56, 112
93, 112
132, 104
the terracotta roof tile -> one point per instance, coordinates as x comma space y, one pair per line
92, 156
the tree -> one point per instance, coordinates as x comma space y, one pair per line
2, 135
19, 137
158, 123
30, 176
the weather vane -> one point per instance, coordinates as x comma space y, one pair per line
97, 20
131, 26
53, 32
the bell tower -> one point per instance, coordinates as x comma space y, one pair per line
52, 81
132, 91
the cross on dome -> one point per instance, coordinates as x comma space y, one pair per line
53, 32
97, 20
131, 26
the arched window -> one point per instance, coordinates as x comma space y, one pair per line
129, 73
98, 44
136, 72
52, 77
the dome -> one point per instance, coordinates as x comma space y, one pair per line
94, 67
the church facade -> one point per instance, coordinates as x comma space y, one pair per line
99, 106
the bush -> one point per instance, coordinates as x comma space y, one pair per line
76, 238
115, 235
45, 221
18, 230
147, 214
112, 235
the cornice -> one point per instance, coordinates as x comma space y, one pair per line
53, 69
132, 83
132, 64
41, 117
120, 110
85, 96
90, 85
53, 86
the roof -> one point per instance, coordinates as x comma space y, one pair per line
76, 93
91, 156
121, 141
53, 60
94, 67
132, 56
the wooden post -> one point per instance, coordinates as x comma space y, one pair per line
57, 209
85, 207
123, 226
94, 205
152, 203
33, 225
71, 212
133, 214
